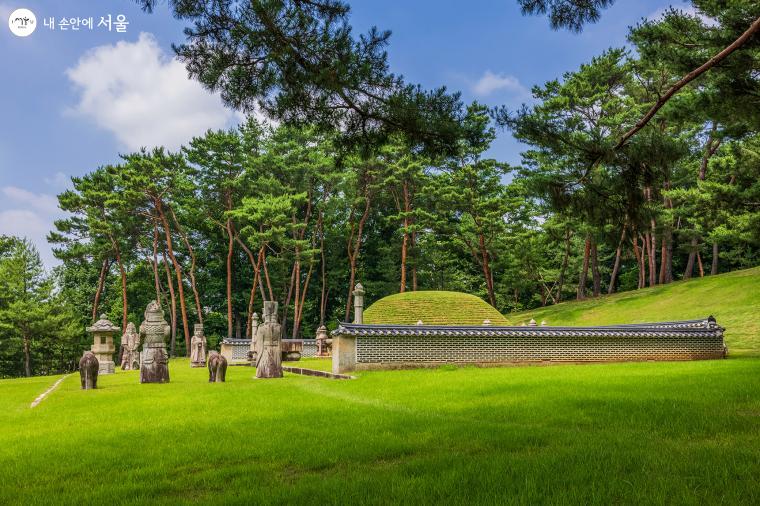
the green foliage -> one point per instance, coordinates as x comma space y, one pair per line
570, 14
299, 62
37, 331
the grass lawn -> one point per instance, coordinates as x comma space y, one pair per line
733, 298
318, 364
686, 432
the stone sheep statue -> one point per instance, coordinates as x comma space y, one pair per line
217, 367
88, 370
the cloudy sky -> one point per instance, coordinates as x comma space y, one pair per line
71, 101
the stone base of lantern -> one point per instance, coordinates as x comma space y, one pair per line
106, 367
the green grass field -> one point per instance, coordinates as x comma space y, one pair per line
733, 298
644, 433
597, 434
433, 308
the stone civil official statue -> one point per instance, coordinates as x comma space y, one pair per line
130, 344
198, 347
268, 335
154, 363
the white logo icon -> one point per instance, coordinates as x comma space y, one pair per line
22, 22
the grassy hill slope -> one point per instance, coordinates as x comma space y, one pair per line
733, 298
433, 308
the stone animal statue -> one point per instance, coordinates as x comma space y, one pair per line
217, 367
88, 370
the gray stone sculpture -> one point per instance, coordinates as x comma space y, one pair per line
253, 352
154, 361
217, 367
268, 335
198, 347
130, 344
88, 370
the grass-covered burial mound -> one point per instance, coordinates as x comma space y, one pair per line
433, 308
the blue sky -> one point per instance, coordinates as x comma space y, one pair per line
73, 100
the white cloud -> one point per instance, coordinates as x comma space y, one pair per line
57, 180
490, 83
143, 96
37, 201
30, 215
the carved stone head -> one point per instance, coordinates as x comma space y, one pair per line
270, 311
154, 313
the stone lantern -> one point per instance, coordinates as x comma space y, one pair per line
323, 342
102, 346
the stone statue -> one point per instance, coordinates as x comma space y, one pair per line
253, 352
154, 361
198, 347
88, 370
130, 344
217, 367
268, 336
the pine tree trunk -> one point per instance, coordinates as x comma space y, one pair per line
323, 270
690, 263
99, 290
173, 309
714, 269
27, 354
156, 280
652, 257
563, 269
297, 295
646, 257
616, 266
487, 273
192, 267
354, 247
639, 258
230, 240
405, 241
699, 264
597, 279
299, 317
123, 274
287, 300
178, 273
581, 291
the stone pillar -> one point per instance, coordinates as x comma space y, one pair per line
253, 350
154, 331
268, 336
343, 353
359, 304
102, 346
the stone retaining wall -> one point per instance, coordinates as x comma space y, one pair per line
377, 346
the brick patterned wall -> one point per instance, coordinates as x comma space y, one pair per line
660, 345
